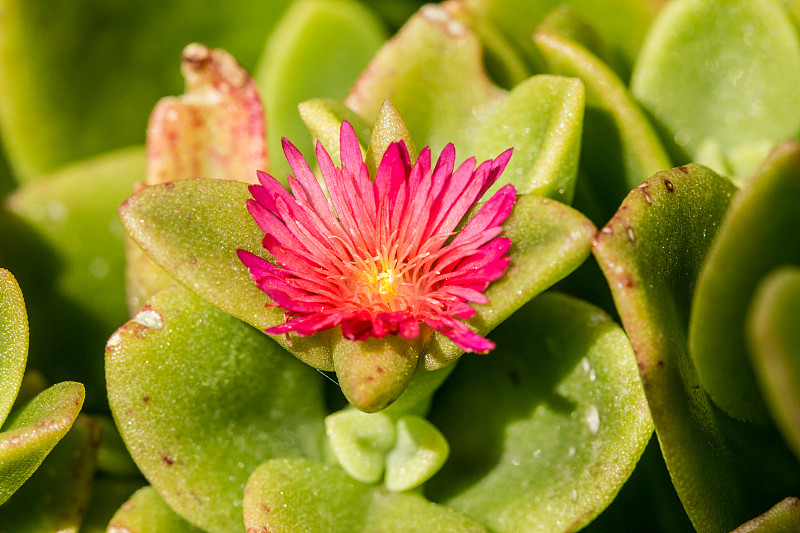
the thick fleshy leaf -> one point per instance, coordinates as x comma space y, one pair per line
374, 372
774, 342
147, 512
409, 449
33, 382
31, 432
759, 233
783, 518
646, 502
417, 398
62, 239
316, 51
201, 399
793, 8
540, 118
359, 441
724, 471
545, 430
621, 23
13, 341
291, 495
57, 494
721, 79
90, 85
620, 148
549, 240
389, 128
192, 228
420, 451
323, 118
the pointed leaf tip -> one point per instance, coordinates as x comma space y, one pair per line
373, 373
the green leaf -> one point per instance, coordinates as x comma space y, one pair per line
13, 341
784, 517
90, 85
420, 451
201, 399
192, 228
316, 51
389, 128
759, 233
721, 78
774, 342
147, 512
57, 494
651, 253
33, 382
31, 432
621, 23
541, 117
545, 430
373, 373
359, 442
620, 148
323, 118
646, 502
291, 495
62, 238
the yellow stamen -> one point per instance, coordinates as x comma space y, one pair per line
384, 282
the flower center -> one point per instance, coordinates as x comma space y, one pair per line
385, 283
382, 284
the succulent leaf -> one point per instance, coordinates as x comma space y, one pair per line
724, 471
720, 79
289, 495
544, 430
33, 430
13, 341
184, 377
758, 234
56, 496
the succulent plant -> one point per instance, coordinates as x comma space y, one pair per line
271, 341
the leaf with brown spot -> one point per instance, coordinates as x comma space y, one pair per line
723, 470
56, 496
211, 379
759, 234
32, 431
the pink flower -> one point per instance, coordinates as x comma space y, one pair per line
380, 257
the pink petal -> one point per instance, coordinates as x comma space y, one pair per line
498, 166
461, 335
491, 214
349, 151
